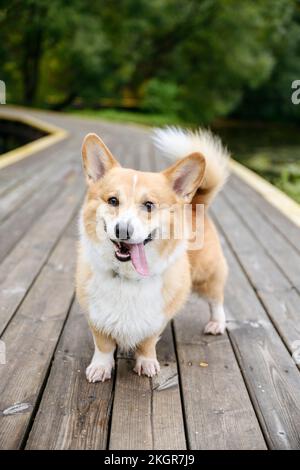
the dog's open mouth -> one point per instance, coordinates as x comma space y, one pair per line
135, 252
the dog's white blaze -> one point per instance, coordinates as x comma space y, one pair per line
141, 231
134, 182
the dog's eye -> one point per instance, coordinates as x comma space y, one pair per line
149, 206
113, 201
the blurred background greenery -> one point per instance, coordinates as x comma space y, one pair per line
227, 64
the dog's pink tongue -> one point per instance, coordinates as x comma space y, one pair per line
138, 258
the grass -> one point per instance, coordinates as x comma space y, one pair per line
130, 117
271, 151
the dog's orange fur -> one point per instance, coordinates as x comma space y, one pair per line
208, 265
204, 270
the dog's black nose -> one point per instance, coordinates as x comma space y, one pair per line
124, 230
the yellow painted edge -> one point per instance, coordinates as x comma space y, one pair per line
278, 199
56, 134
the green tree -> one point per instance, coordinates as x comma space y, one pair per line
202, 55
48, 49
272, 100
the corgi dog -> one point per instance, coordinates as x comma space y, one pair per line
130, 279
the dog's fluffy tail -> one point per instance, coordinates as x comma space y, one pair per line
176, 143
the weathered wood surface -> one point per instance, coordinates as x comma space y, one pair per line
146, 410
73, 414
247, 397
218, 410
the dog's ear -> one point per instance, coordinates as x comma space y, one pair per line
97, 158
186, 175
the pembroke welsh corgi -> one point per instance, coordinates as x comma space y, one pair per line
131, 277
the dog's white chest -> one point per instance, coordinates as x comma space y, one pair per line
128, 310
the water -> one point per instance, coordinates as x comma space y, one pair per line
14, 134
271, 151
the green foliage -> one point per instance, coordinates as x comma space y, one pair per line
288, 185
199, 59
50, 51
160, 97
272, 100
145, 119
271, 150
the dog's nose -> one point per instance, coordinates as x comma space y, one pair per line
124, 230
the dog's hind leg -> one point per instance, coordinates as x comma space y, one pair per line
213, 290
217, 322
102, 362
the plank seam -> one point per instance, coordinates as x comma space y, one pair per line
40, 214
235, 348
255, 404
256, 407
111, 402
267, 253
44, 381
152, 413
72, 219
32, 190
278, 199
255, 290
265, 214
185, 427
54, 134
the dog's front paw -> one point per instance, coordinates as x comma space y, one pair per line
215, 328
97, 372
146, 366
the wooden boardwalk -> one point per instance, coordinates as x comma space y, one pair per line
248, 397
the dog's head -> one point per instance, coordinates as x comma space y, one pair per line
131, 214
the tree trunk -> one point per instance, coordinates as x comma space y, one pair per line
33, 50
65, 102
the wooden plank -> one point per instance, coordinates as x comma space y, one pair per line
218, 411
167, 416
73, 413
131, 417
20, 268
35, 181
276, 218
144, 159
13, 175
245, 244
275, 291
132, 147
30, 342
13, 199
279, 249
19, 222
271, 375
284, 307
147, 412
160, 163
